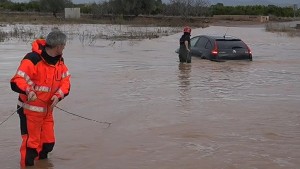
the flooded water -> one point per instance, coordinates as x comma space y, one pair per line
166, 115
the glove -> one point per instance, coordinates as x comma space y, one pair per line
54, 100
31, 96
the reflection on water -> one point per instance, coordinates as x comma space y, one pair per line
44, 164
184, 71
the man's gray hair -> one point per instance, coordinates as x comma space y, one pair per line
56, 38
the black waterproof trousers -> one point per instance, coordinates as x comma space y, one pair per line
184, 55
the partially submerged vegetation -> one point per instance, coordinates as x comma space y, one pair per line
283, 28
87, 34
17, 32
124, 28
180, 13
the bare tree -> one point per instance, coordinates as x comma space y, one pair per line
200, 7
4, 1
187, 8
132, 7
54, 6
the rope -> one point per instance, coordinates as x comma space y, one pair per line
9, 116
82, 117
86, 118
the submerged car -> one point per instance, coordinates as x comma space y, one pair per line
219, 48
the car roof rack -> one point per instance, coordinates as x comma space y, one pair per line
222, 37
230, 37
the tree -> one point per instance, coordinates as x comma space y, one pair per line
4, 1
158, 7
33, 5
54, 6
132, 7
187, 8
200, 7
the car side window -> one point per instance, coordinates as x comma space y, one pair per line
194, 41
202, 42
208, 45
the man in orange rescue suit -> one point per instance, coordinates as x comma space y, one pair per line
42, 80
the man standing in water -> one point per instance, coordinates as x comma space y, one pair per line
185, 45
42, 80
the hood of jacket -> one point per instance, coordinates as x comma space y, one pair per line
38, 45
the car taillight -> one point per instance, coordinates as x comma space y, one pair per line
215, 50
249, 50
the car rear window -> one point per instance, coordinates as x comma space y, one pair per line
230, 44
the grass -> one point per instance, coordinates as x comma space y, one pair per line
47, 18
88, 35
174, 25
283, 28
137, 24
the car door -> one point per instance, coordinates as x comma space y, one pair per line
194, 41
206, 54
199, 47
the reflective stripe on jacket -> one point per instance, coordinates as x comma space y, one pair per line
46, 80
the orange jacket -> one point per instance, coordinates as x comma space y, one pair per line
38, 75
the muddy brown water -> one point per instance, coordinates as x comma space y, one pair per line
166, 115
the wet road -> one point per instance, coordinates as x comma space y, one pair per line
166, 115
